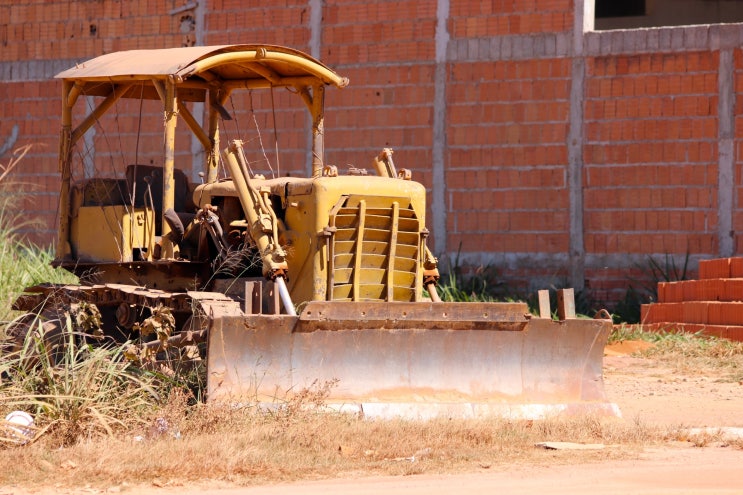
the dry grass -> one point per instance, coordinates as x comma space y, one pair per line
248, 447
693, 353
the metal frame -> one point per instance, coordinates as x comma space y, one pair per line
175, 75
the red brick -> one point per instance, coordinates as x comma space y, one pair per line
733, 290
731, 313
677, 291
695, 312
689, 290
710, 289
714, 268
736, 267
715, 314
648, 313
731, 332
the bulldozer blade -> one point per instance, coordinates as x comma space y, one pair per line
414, 360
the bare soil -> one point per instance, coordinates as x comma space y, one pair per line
648, 392
645, 391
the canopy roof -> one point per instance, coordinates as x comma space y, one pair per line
199, 67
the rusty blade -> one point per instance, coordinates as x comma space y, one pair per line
341, 315
411, 370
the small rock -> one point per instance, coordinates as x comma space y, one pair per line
569, 446
421, 454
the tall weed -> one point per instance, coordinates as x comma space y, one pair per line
458, 284
79, 391
22, 264
645, 290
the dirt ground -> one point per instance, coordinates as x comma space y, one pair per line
654, 394
644, 391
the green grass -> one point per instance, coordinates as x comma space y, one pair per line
22, 264
453, 289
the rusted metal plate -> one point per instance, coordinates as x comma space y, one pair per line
342, 315
163, 275
548, 367
249, 356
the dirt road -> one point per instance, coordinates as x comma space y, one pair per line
666, 471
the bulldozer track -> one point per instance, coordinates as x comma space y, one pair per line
37, 297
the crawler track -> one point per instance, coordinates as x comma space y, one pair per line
116, 300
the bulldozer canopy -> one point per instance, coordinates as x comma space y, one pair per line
198, 66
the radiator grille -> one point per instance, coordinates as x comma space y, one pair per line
375, 251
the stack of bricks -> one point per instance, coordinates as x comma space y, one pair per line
711, 305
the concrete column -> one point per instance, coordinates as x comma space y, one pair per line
315, 45
198, 157
582, 21
438, 205
725, 153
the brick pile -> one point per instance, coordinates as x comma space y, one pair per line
712, 305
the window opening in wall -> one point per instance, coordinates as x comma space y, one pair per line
630, 14
625, 8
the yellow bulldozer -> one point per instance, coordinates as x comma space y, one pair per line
278, 283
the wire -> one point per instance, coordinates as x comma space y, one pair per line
275, 135
258, 131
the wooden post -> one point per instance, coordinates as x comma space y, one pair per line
544, 304
565, 304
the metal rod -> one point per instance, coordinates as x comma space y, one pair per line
99, 111
216, 99
318, 131
64, 249
285, 297
392, 251
181, 339
169, 165
359, 250
431, 288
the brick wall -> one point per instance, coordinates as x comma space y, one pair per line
554, 153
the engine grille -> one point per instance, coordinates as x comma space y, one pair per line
375, 250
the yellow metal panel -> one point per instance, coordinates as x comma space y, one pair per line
308, 213
112, 233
